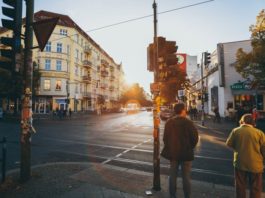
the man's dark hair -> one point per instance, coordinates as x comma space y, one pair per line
178, 108
247, 119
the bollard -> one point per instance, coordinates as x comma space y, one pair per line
4, 159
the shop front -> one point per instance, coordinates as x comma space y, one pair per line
42, 105
248, 96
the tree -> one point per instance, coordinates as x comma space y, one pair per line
252, 65
135, 92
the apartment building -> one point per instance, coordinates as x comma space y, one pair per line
74, 70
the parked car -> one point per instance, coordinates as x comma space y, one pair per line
149, 108
166, 114
1, 113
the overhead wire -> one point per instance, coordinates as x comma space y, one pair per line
139, 18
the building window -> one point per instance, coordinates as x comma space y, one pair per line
76, 88
68, 49
47, 85
76, 55
58, 65
47, 64
76, 38
48, 47
63, 32
81, 72
82, 42
81, 56
58, 86
59, 47
76, 70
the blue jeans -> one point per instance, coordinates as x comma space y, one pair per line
173, 173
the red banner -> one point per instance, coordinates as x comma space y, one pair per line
182, 62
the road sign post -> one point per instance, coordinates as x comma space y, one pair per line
26, 114
156, 133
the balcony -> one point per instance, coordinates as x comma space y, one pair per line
87, 79
87, 50
104, 73
112, 77
104, 62
86, 94
87, 63
111, 88
103, 86
111, 67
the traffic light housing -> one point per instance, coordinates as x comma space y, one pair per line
207, 58
11, 46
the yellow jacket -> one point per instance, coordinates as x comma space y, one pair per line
248, 144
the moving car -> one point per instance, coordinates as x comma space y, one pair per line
166, 114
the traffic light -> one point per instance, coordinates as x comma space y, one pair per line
150, 58
11, 46
207, 58
167, 51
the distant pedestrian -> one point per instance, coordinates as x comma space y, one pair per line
217, 117
248, 144
255, 114
70, 112
240, 112
180, 139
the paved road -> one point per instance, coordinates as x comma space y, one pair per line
118, 139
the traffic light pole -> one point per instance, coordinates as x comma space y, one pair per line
202, 92
156, 134
26, 115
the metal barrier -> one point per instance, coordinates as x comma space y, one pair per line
3, 159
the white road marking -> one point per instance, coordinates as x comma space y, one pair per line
204, 171
126, 149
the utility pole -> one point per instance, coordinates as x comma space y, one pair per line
202, 92
26, 115
156, 134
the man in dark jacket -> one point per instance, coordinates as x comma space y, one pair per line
180, 139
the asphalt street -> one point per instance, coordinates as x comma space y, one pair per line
117, 139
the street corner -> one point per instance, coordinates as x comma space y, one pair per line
47, 180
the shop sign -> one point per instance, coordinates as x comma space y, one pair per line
241, 86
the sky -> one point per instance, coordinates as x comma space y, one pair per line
195, 29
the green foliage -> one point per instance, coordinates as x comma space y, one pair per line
252, 64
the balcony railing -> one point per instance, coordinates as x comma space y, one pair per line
111, 88
104, 73
87, 78
86, 94
104, 62
87, 63
87, 49
112, 77
104, 86
111, 67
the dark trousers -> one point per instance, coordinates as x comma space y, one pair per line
244, 178
173, 173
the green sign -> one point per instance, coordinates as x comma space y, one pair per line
241, 86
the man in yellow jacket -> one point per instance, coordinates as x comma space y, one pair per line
248, 144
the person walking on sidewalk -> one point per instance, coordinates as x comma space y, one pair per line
248, 144
180, 139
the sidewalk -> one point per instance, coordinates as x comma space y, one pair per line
92, 180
